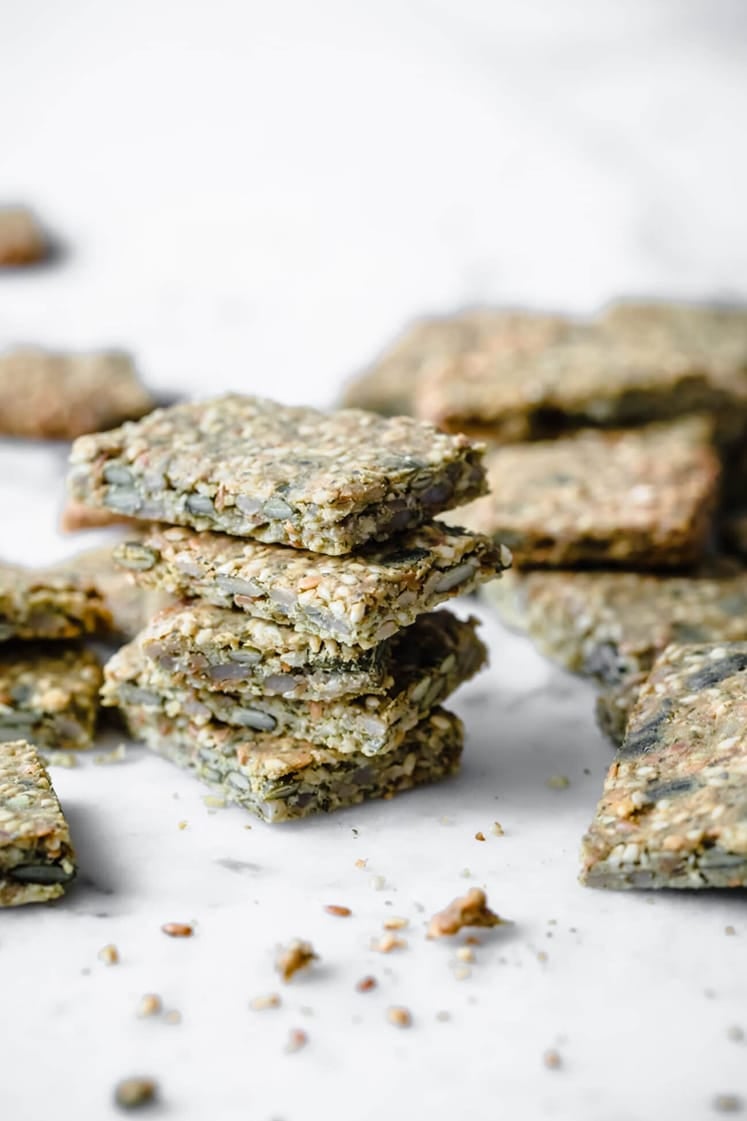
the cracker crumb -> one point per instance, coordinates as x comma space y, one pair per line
366, 984
213, 802
727, 1103
265, 1001
729, 930
443, 1016
395, 922
298, 954
378, 883
387, 943
466, 873
181, 825
467, 910
552, 1059
497, 829
297, 1038
173, 1016
541, 956
131, 1093
150, 1005
399, 1016
558, 782
335, 909
109, 955
177, 929
360, 863
472, 940
462, 972
118, 755
60, 759
465, 953
735, 1033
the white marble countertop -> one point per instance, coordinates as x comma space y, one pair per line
256, 197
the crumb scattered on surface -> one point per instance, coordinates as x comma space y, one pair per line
558, 782
366, 984
735, 1033
360, 863
60, 759
131, 1093
297, 1038
378, 883
497, 829
552, 1059
729, 930
387, 943
462, 972
443, 1016
395, 922
727, 1103
177, 929
297, 955
479, 836
465, 953
173, 1016
118, 755
336, 909
213, 802
399, 1016
109, 954
265, 1000
466, 873
181, 825
467, 910
541, 956
150, 1005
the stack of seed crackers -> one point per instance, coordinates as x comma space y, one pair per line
302, 669
617, 470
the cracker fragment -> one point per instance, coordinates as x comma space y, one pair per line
673, 812
37, 861
253, 468
48, 604
466, 910
22, 240
47, 395
633, 498
297, 955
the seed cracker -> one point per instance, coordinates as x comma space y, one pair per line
430, 660
280, 779
359, 600
48, 695
639, 498
48, 604
391, 385
46, 395
674, 808
36, 857
252, 468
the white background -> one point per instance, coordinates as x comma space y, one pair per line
258, 196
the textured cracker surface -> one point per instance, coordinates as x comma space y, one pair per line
252, 468
33, 831
61, 396
280, 779
674, 808
432, 658
359, 600
633, 498
48, 695
390, 386
611, 626
638, 363
22, 240
48, 604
